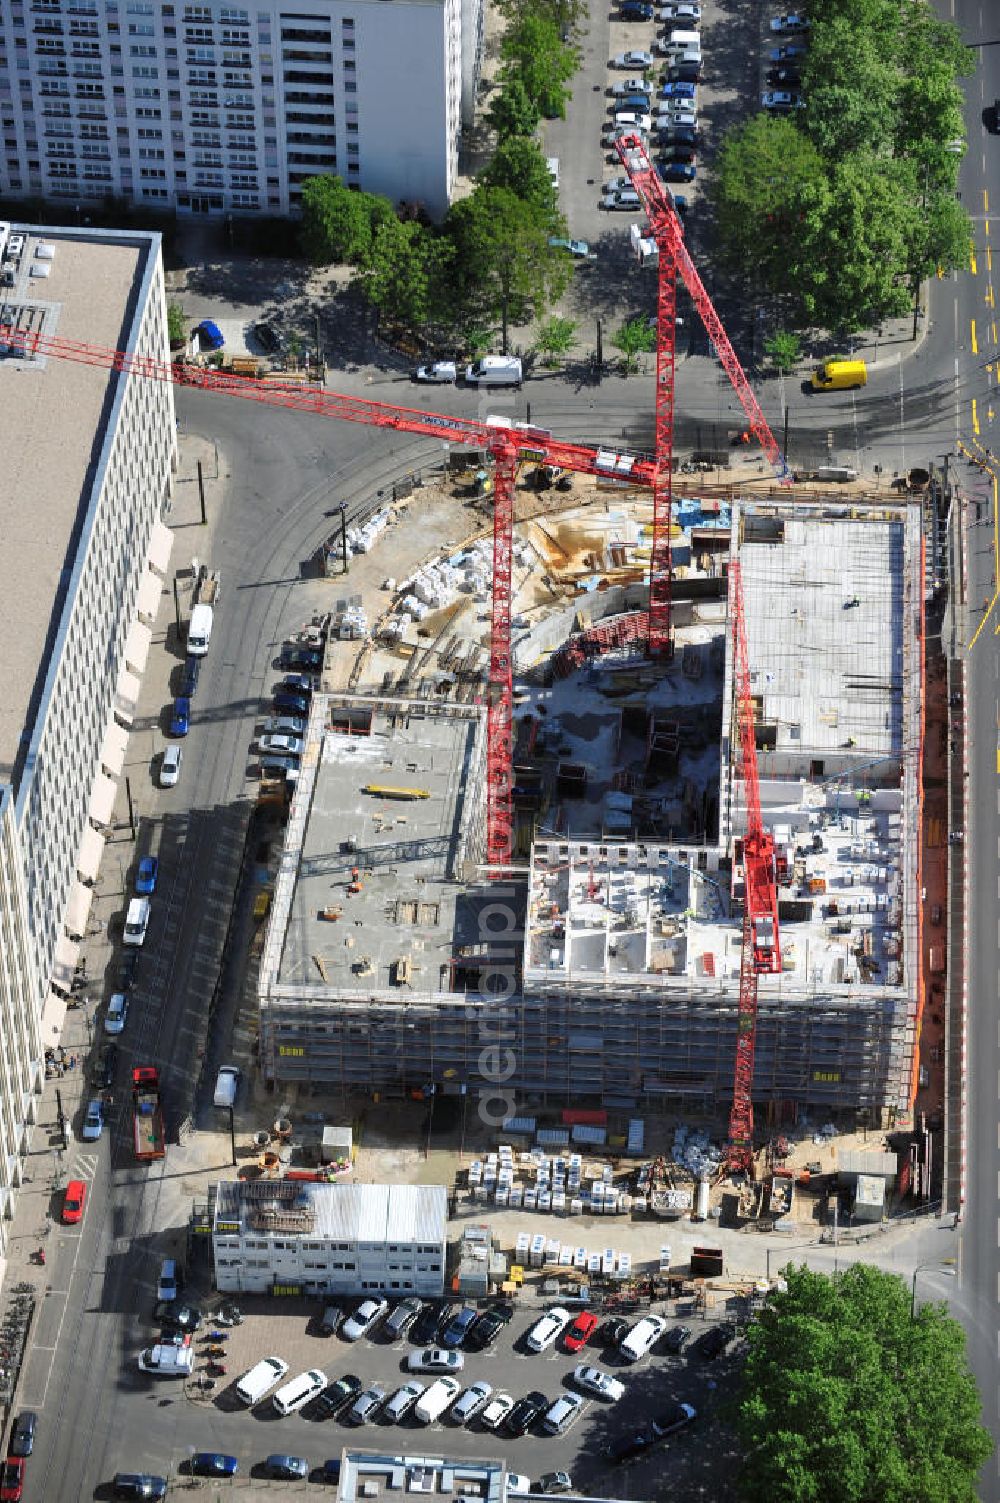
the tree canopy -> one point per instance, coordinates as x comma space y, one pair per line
841, 208
534, 52
846, 1399
339, 223
518, 164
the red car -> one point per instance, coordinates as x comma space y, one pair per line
580, 1331
76, 1199
12, 1479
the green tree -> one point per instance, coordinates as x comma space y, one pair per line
767, 171
850, 78
405, 272
568, 16
534, 53
511, 112
555, 338
636, 336
518, 164
338, 222
846, 1399
176, 324
504, 268
784, 350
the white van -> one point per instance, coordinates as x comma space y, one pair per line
200, 630
432, 1404
254, 1384
299, 1391
495, 370
684, 41
225, 1086
643, 1335
136, 921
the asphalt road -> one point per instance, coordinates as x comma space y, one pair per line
974, 384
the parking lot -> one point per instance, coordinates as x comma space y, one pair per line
653, 1386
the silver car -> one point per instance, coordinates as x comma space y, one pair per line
366, 1405
403, 1400
472, 1400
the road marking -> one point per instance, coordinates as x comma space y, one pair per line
972, 257
986, 200
975, 341
975, 418
989, 258
988, 299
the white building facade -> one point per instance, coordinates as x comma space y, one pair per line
89, 458
298, 1236
216, 109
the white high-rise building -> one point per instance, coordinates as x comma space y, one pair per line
217, 109
87, 473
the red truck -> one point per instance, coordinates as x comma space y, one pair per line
147, 1114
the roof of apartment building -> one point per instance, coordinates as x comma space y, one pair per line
53, 421
373, 1214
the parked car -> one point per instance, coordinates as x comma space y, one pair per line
673, 113
425, 1327
676, 1339
402, 1317
438, 373
791, 21
137, 1487
189, 676
631, 121
686, 11
633, 60
105, 1067
684, 73
642, 1337
782, 100
117, 1014
128, 967
638, 103
580, 1331
555, 1482
679, 135
473, 1399
12, 1480
675, 153
74, 1201
282, 746
786, 53
180, 717
338, 1393
297, 683
403, 1400
496, 1411
136, 921
93, 1122
488, 1327
623, 199
678, 172
629, 86
445, 1315
170, 766
213, 1464
525, 1412
613, 1332
22, 1434
364, 1320
295, 655
146, 875
458, 1328
290, 704
784, 78
713, 1342
434, 1359
564, 1412
284, 725
268, 338
286, 1468
366, 1405
632, 1443
175, 1316
674, 1419
679, 90
518, 1485
547, 1328
602, 1384
331, 1320
635, 10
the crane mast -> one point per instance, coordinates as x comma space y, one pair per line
761, 948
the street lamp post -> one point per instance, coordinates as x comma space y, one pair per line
943, 1265
797, 1248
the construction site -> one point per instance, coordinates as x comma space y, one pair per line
608, 962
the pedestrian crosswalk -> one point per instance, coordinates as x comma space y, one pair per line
85, 1166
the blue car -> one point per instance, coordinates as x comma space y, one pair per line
180, 720
189, 677
145, 877
636, 10
786, 53
677, 172
678, 91
211, 1464
291, 704
638, 102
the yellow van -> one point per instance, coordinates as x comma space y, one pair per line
840, 375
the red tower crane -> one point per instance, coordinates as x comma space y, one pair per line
673, 257
761, 949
